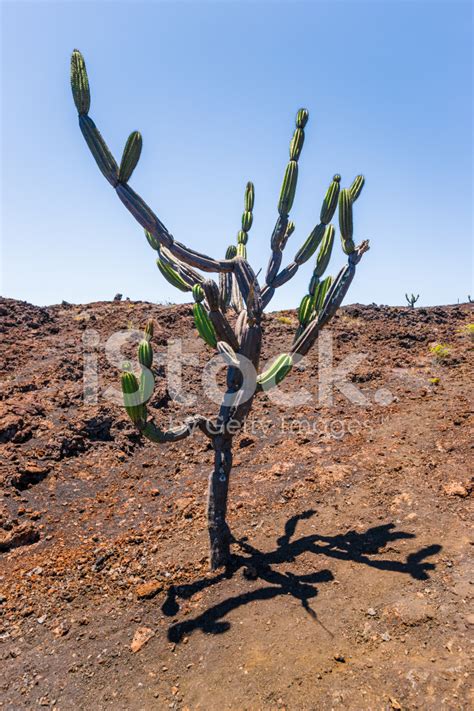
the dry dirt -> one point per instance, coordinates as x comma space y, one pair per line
352, 575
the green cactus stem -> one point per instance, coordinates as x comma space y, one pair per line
80, 83
330, 201
356, 187
288, 188
345, 214
130, 157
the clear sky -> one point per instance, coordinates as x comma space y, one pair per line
214, 87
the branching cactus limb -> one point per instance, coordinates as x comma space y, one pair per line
109, 168
412, 300
239, 344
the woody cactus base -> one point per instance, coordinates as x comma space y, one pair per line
238, 292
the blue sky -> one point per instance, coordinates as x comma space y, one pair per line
213, 87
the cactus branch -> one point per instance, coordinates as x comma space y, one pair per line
109, 168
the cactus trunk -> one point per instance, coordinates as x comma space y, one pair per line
219, 533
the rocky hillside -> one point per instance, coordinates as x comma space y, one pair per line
351, 582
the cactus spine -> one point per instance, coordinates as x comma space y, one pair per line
238, 285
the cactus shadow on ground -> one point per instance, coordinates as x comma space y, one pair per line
257, 565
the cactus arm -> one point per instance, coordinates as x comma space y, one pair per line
189, 276
332, 301
247, 220
155, 434
222, 327
137, 393
283, 227
118, 177
226, 281
274, 279
236, 300
282, 365
249, 288
285, 275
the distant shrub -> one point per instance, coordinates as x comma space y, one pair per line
468, 330
441, 351
434, 381
285, 319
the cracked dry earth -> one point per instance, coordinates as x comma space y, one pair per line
352, 576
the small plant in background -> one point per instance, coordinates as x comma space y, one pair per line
441, 351
469, 298
238, 290
412, 300
434, 381
285, 320
468, 330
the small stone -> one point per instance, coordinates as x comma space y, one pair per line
61, 630
141, 637
146, 591
470, 619
41, 619
371, 612
455, 488
340, 658
385, 637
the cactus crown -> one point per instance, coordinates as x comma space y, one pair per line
238, 285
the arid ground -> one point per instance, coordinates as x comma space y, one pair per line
352, 574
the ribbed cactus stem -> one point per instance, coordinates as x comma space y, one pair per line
249, 198
132, 398
80, 83
148, 330
198, 293
172, 276
345, 214
99, 149
356, 187
302, 117
330, 201
324, 254
130, 157
288, 188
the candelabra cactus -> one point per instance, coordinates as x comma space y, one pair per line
412, 300
238, 336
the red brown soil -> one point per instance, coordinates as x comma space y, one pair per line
352, 575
